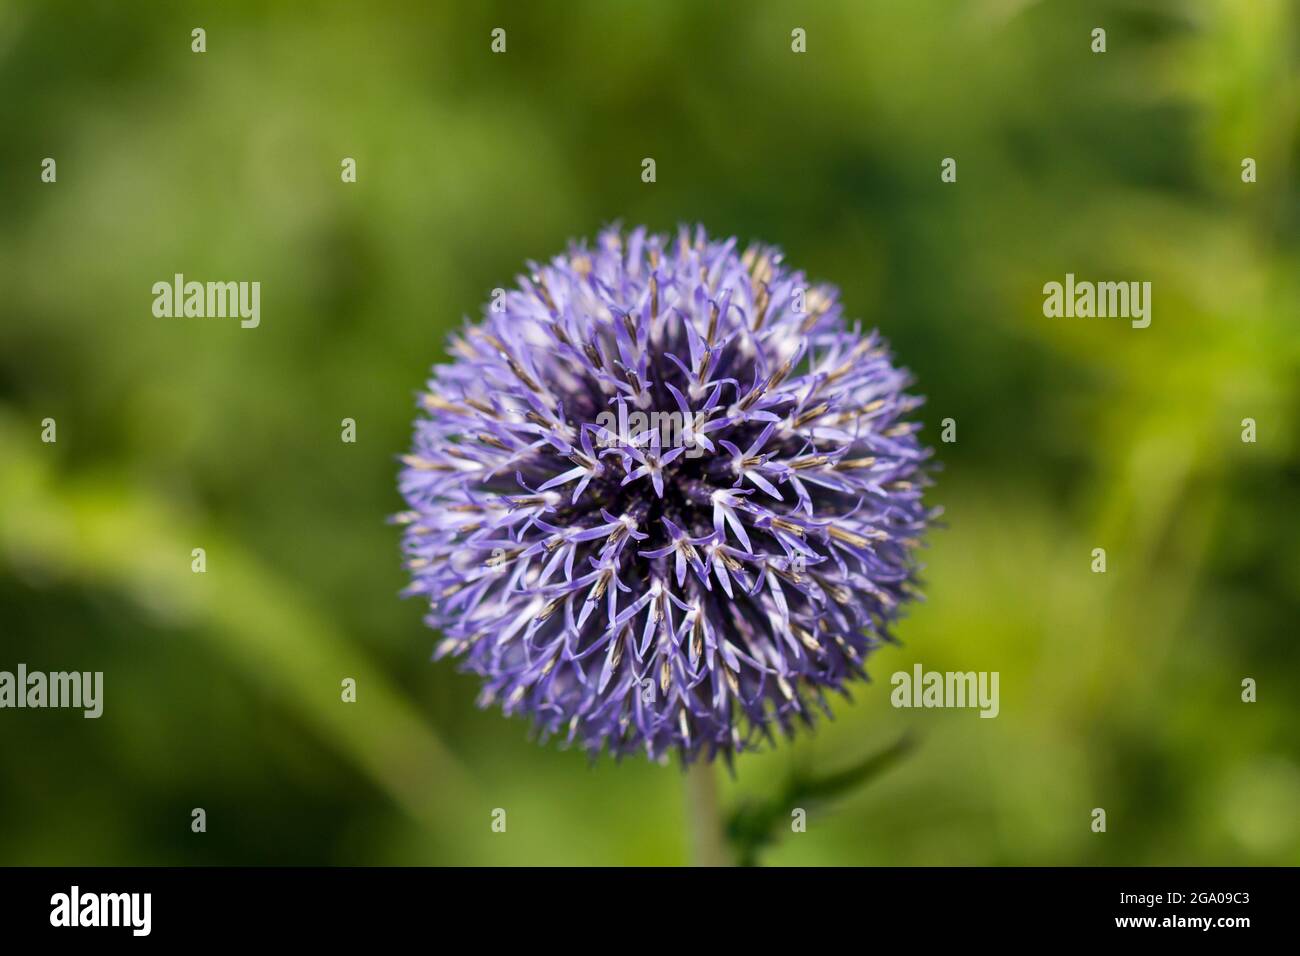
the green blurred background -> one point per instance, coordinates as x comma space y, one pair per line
1119, 691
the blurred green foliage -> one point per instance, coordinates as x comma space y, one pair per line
1119, 691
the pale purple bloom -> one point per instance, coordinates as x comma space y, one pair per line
693, 583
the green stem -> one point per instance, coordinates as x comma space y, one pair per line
708, 845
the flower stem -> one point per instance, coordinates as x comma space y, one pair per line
708, 847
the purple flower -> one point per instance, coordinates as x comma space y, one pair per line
664, 498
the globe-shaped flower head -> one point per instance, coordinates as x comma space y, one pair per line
664, 498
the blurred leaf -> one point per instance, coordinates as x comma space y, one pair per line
121, 540
756, 825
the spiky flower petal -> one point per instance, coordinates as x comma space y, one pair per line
664, 498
